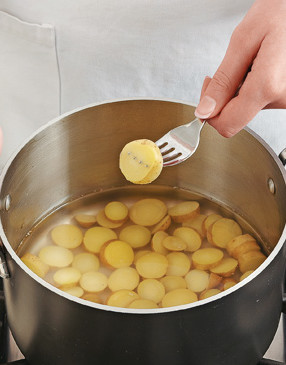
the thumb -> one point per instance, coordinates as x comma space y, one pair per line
230, 74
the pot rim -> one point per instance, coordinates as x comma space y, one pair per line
80, 301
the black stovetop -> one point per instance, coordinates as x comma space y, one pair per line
4, 339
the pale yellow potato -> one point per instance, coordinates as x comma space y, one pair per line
246, 274
67, 235
86, 261
196, 223
222, 231
93, 281
141, 161
152, 265
250, 260
56, 256
190, 236
76, 291
103, 221
122, 298
241, 244
92, 297
228, 283
147, 212
67, 276
214, 281
85, 220
209, 293
116, 212
178, 264
173, 243
117, 254
35, 264
163, 225
137, 236
172, 282
206, 258
123, 278
151, 289
197, 280
226, 267
209, 221
143, 304
96, 237
138, 254
184, 211
179, 297
157, 242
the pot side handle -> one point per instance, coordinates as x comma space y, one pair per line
282, 156
4, 273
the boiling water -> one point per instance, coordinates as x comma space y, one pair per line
40, 235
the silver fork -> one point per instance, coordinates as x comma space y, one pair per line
180, 143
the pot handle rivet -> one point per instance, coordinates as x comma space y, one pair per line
5, 203
271, 186
282, 156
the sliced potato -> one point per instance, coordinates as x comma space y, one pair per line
157, 242
141, 161
209, 293
196, 223
103, 221
76, 291
207, 258
147, 212
241, 244
151, 289
226, 267
224, 230
86, 262
93, 281
68, 276
172, 282
163, 225
137, 236
246, 274
209, 221
179, 297
178, 264
228, 283
85, 220
123, 278
96, 237
122, 298
56, 256
92, 297
35, 264
143, 304
184, 211
116, 212
117, 254
250, 260
190, 236
173, 243
197, 280
67, 235
152, 265
140, 253
214, 281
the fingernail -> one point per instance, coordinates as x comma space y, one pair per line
205, 107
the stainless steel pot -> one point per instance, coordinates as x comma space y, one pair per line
77, 154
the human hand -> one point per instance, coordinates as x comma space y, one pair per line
259, 42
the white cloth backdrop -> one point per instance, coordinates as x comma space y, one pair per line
56, 55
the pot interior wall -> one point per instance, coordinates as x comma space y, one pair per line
78, 154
